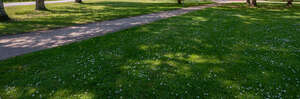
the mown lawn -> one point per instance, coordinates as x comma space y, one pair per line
7, 1
26, 19
230, 52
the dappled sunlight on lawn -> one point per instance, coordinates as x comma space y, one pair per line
200, 19
25, 43
211, 53
66, 14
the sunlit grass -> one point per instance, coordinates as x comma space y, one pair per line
9, 1
26, 19
179, 57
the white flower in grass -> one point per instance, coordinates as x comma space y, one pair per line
262, 90
260, 85
206, 94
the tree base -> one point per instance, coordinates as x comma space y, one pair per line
78, 1
289, 5
179, 1
41, 9
253, 5
4, 18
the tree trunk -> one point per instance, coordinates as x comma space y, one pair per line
78, 1
3, 15
248, 2
253, 3
289, 3
40, 5
179, 2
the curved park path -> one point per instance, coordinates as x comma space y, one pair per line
15, 45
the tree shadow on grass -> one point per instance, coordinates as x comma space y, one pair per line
216, 52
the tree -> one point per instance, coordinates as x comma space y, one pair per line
248, 2
3, 15
179, 1
40, 5
253, 3
78, 1
289, 3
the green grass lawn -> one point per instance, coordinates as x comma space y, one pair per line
26, 19
230, 52
25, 0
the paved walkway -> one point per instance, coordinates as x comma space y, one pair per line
15, 45
32, 3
